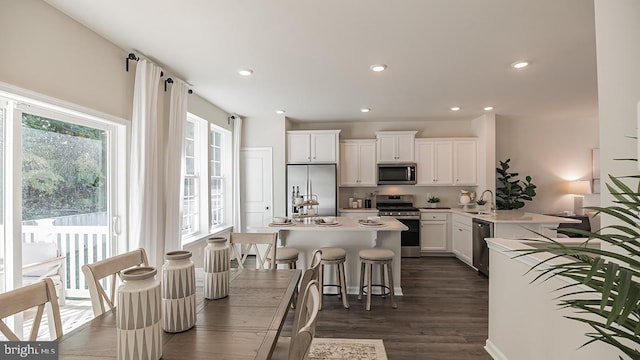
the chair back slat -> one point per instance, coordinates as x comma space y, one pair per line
242, 245
27, 297
112, 267
307, 313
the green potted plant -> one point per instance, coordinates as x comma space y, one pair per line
611, 305
433, 201
511, 192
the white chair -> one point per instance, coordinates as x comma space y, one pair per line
112, 266
43, 260
242, 244
297, 346
311, 273
27, 297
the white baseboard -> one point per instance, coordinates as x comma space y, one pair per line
493, 351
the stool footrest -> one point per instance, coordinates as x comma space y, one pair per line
387, 290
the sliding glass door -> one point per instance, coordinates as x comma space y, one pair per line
66, 198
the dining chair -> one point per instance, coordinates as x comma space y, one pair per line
27, 297
242, 244
94, 273
297, 346
312, 273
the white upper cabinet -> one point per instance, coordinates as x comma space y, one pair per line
358, 163
465, 162
434, 162
312, 146
446, 161
395, 146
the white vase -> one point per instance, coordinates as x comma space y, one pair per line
178, 292
139, 316
216, 268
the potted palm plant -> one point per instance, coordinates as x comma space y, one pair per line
611, 306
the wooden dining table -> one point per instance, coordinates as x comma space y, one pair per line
244, 325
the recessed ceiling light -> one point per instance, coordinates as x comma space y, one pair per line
378, 67
455, 108
365, 110
488, 108
279, 111
520, 64
245, 72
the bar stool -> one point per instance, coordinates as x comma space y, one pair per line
334, 256
287, 255
380, 257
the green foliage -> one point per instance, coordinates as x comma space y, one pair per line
63, 168
611, 304
510, 191
433, 200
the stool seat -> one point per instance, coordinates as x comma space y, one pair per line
285, 253
333, 253
376, 254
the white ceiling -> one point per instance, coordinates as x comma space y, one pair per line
312, 58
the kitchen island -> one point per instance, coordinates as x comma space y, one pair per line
349, 235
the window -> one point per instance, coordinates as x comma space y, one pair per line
217, 176
191, 212
206, 201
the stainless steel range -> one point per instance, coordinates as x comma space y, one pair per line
401, 208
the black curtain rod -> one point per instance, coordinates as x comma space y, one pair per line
170, 81
133, 57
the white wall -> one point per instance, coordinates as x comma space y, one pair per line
47, 52
552, 152
270, 132
618, 54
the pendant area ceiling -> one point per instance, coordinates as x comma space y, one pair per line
312, 59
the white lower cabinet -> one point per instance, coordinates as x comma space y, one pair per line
434, 231
462, 238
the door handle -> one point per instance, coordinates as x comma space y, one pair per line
267, 208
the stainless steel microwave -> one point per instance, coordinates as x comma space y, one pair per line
397, 174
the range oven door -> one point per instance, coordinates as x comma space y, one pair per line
410, 239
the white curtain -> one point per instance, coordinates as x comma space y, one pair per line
237, 211
145, 211
174, 155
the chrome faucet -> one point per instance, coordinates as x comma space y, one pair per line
491, 204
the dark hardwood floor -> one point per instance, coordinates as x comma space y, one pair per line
442, 315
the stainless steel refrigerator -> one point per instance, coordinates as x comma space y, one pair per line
317, 180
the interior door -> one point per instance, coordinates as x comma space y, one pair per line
256, 187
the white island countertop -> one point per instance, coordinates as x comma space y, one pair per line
516, 217
345, 224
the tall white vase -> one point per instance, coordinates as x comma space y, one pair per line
139, 321
216, 268
178, 292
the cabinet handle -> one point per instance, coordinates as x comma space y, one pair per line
459, 229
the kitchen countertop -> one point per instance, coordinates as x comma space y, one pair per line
373, 210
510, 216
346, 224
516, 216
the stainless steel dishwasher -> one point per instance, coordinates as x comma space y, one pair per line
481, 230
